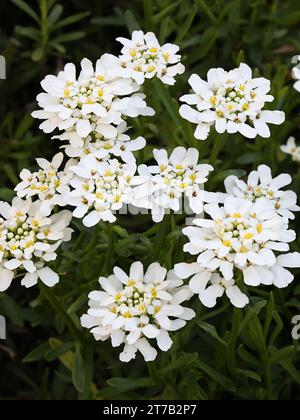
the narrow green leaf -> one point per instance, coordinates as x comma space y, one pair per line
219, 378
38, 353
131, 22
78, 371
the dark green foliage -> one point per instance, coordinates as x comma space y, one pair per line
223, 353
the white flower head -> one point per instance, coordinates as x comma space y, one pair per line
238, 244
112, 141
48, 184
173, 179
28, 240
142, 57
292, 149
261, 184
100, 188
137, 309
98, 98
232, 102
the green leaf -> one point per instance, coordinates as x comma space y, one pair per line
61, 350
38, 353
218, 377
55, 14
109, 21
281, 355
290, 368
11, 173
125, 385
6, 194
183, 361
249, 375
168, 10
69, 37
23, 127
29, 32
37, 54
131, 22
211, 330
78, 371
11, 310
252, 313
70, 20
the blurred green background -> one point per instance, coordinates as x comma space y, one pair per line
223, 354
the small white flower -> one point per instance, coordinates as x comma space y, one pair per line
142, 57
171, 180
100, 189
210, 285
28, 240
134, 309
239, 244
296, 75
113, 142
292, 149
232, 102
48, 184
97, 99
261, 184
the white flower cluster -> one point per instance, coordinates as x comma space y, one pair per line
232, 102
170, 181
116, 143
142, 57
101, 188
134, 309
48, 184
244, 241
95, 102
28, 241
292, 149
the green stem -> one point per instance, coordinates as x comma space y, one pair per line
153, 372
50, 296
110, 252
217, 147
162, 233
148, 14
231, 352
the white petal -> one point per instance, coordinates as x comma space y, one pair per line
6, 278
149, 353
48, 276
237, 298
290, 260
164, 341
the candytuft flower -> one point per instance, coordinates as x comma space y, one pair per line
292, 149
48, 184
97, 100
232, 102
100, 189
261, 184
238, 246
28, 241
171, 180
142, 57
115, 143
135, 309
